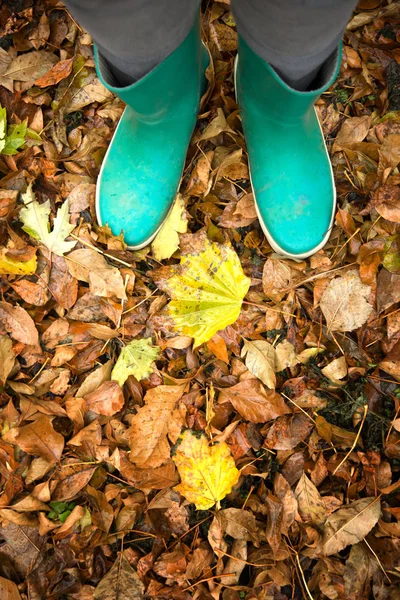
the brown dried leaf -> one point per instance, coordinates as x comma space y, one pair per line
121, 581
18, 324
350, 524
344, 303
107, 399
154, 423
38, 438
253, 402
311, 506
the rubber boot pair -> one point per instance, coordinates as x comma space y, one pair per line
290, 169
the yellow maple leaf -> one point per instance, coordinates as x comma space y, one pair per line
207, 473
167, 239
207, 288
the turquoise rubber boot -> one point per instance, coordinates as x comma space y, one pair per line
142, 168
291, 173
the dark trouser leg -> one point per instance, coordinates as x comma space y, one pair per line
293, 36
135, 35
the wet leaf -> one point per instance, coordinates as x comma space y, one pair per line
60, 71
350, 524
207, 288
207, 472
137, 358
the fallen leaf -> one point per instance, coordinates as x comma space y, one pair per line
7, 358
18, 324
207, 288
107, 400
359, 570
8, 590
310, 504
103, 279
350, 524
344, 303
167, 239
153, 424
29, 66
387, 202
276, 279
35, 218
11, 266
121, 582
60, 71
285, 356
253, 402
38, 438
354, 129
137, 358
207, 472
239, 524
336, 370
260, 360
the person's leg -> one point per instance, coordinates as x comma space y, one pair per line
293, 36
134, 35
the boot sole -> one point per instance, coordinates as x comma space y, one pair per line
280, 251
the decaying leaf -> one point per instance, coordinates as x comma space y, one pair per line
207, 288
253, 402
137, 358
121, 581
350, 524
35, 218
207, 472
311, 506
344, 302
167, 239
38, 438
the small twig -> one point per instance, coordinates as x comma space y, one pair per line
110, 256
40, 370
299, 407
303, 578
355, 440
378, 561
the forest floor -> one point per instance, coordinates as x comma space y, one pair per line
143, 455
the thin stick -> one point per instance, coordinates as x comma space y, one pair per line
85, 243
299, 407
207, 579
355, 440
40, 370
378, 561
303, 578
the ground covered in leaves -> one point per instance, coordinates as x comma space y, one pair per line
199, 419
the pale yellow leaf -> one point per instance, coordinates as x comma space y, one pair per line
167, 239
285, 356
260, 360
207, 472
35, 218
336, 370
